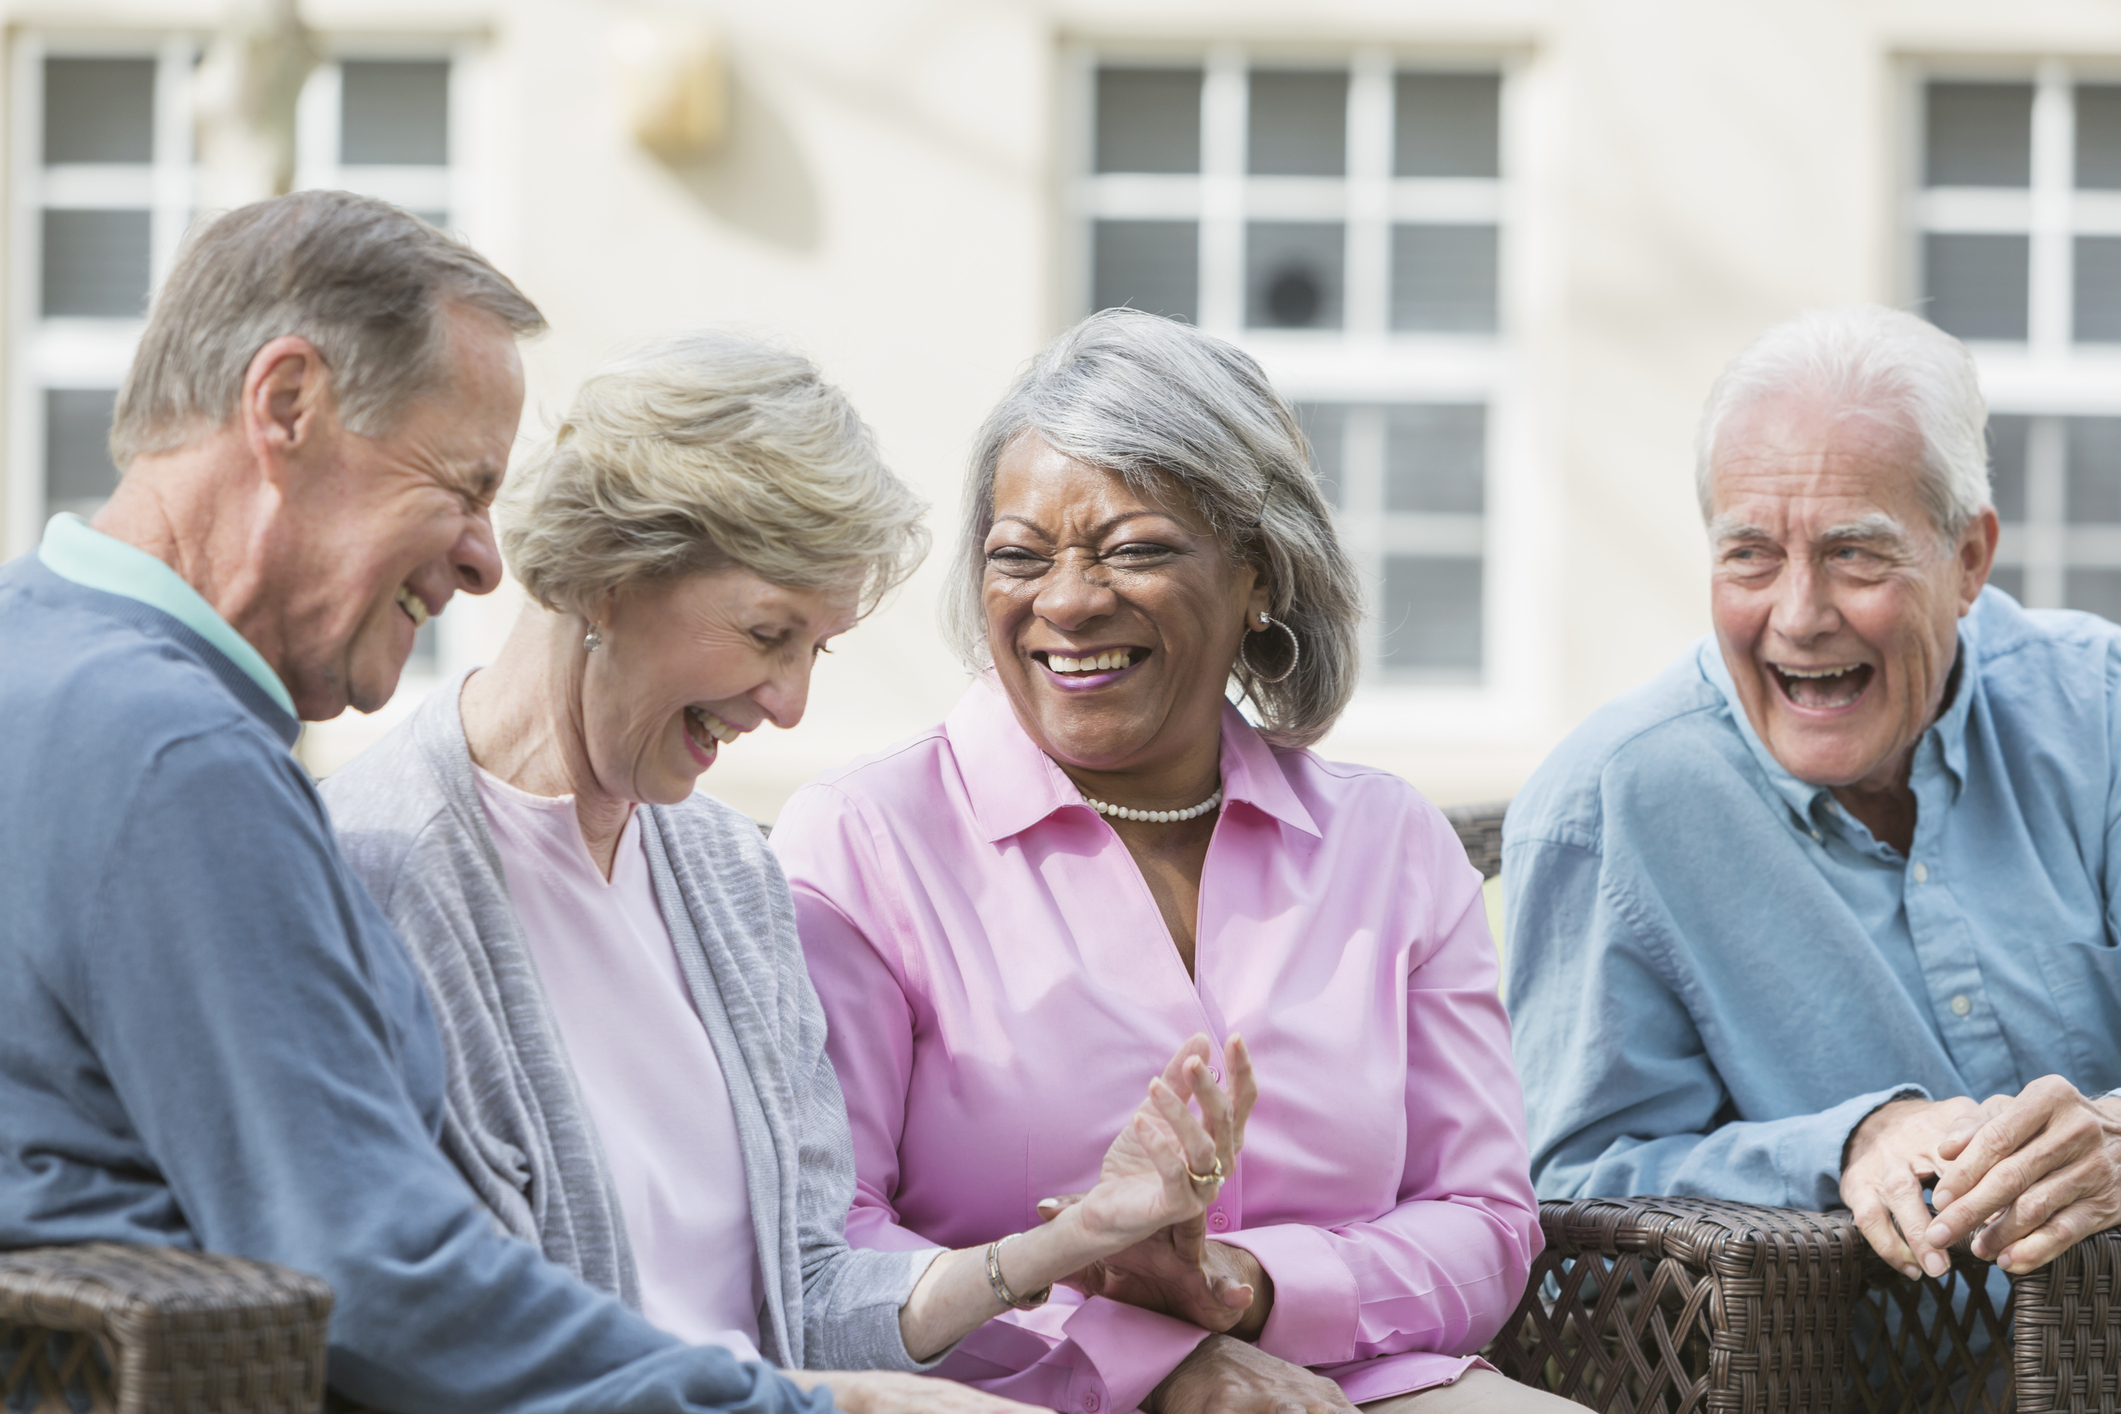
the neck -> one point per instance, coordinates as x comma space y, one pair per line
523, 722
1179, 783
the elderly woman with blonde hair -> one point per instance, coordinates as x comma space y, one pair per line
1097, 854
637, 1074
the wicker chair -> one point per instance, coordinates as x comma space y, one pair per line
153, 1330
1685, 1305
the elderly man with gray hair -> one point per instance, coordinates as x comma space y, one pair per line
212, 1037
1777, 918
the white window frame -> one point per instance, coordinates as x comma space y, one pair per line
1364, 363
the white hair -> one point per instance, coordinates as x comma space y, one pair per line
1867, 360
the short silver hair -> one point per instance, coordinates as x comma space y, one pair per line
1169, 409
1869, 361
369, 285
697, 451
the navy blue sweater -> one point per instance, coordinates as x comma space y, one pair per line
210, 1037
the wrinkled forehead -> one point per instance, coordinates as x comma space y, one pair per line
1794, 459
1040, 487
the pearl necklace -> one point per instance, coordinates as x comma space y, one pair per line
1156, 817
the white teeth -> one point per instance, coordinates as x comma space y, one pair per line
1821, 673
1099, 663
712, 725
414, 605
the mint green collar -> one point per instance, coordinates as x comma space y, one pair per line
89, 557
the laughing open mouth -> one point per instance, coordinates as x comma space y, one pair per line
1823, 687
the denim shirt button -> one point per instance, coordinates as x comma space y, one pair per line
1921, 872
1961, 1005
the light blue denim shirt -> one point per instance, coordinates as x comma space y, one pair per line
1715, 972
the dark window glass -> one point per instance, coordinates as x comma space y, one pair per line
1148, 120
1325, 428
1293, 274
77, 465
2096, 591
2094, 478
1980, 135
1445, 125
1436, 457
1152, 265
2010, 579
2099, 136
1432, 613
99, 110
1976, 284
1443, 278
2095, 307
2006, 463
394, 112
95, 263
1298, 124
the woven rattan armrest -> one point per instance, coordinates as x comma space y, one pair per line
154, 1330
2066, 1330
1688, 1304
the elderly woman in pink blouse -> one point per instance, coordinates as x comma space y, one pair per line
1097, 855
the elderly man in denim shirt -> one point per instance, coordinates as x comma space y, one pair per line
1778, 918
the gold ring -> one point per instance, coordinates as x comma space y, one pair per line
1214, 1175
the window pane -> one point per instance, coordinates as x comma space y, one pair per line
1325, 426
1445, 125
2006, 463
1299, 124
1436, 458
1432, 613
1152, 265
99, 110
77, 465
2096, 301
1980, 135
95, 263
2096, 591
2099, 136
1148, 120
394, 112
2010, 579
1293, 274
2094, 494
1443, 277
1976, 285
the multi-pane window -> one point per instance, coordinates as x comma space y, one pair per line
1343, 221
2018, 223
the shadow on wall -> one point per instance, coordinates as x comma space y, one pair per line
756, 180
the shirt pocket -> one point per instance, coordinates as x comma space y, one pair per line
2084, 979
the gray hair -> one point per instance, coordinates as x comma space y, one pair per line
1167, 408
1867, 360
365, 283
697, 451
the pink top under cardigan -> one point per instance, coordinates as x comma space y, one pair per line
1000, 986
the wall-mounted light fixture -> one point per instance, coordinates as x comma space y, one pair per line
673, 83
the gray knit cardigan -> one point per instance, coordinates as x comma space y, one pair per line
409, 818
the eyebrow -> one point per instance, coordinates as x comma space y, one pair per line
1097, 532
1875, 526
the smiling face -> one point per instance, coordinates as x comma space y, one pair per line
384, 530
689, 665
1112, 619
1836, 604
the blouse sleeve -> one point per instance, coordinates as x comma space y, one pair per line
1441, 1270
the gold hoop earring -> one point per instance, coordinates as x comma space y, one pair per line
1296, 651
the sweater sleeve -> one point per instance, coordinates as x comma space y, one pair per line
264, 1032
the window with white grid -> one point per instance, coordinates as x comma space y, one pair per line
103, 195
1342, 219
2018, 251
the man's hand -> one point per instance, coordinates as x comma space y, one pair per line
2042, 1171
1180, 1273
889, 1392
1888, 1157
1226, 1376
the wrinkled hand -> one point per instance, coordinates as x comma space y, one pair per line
1179, 1272
1144, 1184
889, 1392
1226, 1376
1889, 1156
2042, 1171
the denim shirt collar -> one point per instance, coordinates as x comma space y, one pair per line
1940, 753
1012, 785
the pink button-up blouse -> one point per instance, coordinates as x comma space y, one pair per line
1000, 987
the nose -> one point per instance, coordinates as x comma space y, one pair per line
1804, 604
785, 694
476, 558
1073, 594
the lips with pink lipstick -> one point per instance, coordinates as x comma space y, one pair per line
1092, 667
1824, 688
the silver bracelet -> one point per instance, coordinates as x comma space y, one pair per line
1001, 1288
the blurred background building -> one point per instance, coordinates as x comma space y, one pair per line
1495, 249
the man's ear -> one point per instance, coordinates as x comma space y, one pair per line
1977, 556
287, 407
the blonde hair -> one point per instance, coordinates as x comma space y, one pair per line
698, 451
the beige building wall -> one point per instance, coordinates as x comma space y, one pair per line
890, 201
